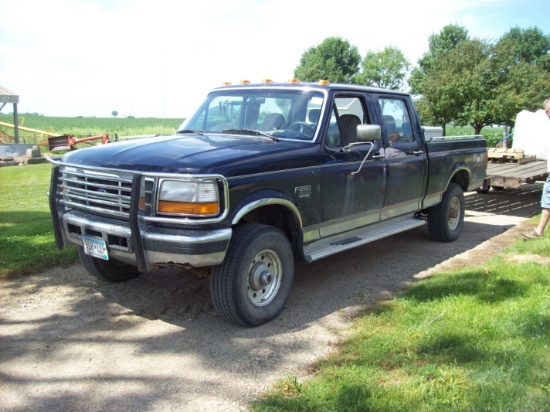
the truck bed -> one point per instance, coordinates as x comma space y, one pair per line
511, 174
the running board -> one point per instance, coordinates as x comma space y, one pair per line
349, 240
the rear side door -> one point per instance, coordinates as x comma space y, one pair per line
405, 155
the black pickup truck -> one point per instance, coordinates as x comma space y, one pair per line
259, 176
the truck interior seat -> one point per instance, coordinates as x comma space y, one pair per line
273, 121
313, 115
348, 128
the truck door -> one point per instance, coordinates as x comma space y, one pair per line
350, 200
405, 156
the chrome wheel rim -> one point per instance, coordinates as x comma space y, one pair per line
264, 278
454, 213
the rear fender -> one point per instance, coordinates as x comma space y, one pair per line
460, 175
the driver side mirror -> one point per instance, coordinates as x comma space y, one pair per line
368, 132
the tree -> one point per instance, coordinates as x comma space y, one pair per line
334, 60
531, 46
475, 82
473, 92
439, 44
521, 67
457, 87
386, 69
424, 110
114, 113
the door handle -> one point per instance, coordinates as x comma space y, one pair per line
418, 152
378, 156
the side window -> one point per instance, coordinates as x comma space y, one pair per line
348, 112
396, 122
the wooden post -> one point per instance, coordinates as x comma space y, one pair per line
15, 123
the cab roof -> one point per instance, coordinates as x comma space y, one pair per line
321, 85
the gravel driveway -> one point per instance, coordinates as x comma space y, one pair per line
72, 342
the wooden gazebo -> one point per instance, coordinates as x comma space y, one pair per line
7, 96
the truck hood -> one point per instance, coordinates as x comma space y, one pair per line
228, 155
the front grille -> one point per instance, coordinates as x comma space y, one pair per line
97, 192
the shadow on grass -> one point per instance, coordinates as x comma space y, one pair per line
27, 244
477, 283
454, 348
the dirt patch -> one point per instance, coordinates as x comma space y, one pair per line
528, 259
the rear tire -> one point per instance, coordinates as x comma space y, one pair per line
110, 270
445, 220
253, 283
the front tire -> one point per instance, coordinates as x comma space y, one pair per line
253, 283
110, 270
445, 220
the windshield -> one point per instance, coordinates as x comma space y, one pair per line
280, 113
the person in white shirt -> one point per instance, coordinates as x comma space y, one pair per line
538, 232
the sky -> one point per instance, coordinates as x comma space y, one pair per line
159, 58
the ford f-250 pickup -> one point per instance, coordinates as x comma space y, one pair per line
259, 176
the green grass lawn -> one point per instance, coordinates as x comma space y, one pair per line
26, 232
476, 339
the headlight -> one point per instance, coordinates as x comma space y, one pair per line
188, 198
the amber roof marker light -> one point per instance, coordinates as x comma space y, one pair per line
268, 80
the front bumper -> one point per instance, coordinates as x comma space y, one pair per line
155, 245
133, 240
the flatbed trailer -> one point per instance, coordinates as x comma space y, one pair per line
514, 174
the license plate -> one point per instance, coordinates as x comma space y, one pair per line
96, 247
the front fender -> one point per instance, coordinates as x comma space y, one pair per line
262, 198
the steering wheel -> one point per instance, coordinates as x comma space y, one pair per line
303, 128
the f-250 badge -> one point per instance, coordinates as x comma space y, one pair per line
303, 191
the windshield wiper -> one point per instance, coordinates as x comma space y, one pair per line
190, 131
250, 132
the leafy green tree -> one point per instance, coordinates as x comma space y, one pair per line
386, 69
114, 113
334, 60
439, 44
469, 62
521, 69
478, 83
456, 88
525, 45
424, 110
